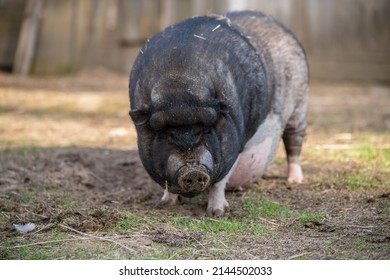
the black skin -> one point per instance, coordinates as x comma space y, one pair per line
186, 92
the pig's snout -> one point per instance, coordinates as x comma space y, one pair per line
190, 173
193, 179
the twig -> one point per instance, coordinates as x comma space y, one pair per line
197, 241
358, 226
97, 237
97, 177
297, 255
217, 249
268, 221
215, 28
42, 229
5, 215
224, 245
200, 37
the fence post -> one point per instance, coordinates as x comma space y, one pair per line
28, 37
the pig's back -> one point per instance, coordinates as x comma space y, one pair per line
282, 54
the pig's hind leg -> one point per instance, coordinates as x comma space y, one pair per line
293, 135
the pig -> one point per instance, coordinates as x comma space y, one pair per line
211, 97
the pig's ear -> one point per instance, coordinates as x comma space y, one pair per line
140, 116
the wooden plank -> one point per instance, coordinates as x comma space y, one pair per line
11, 18
28, 37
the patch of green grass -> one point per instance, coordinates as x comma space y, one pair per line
38, 255
386, 157
371, 155
5, 252
136, 221
355, 181
22, 253
69, 202
260, 207
368, 155
362, 249
206, 224
311, 217
363, 152
219, 225
29, 196
248, 225
129, 222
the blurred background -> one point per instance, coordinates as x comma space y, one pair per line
68, 149
344, 39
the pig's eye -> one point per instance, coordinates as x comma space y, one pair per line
139, 117
171, 137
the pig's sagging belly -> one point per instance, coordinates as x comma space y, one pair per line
258, 153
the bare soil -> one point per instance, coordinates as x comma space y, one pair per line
69, 164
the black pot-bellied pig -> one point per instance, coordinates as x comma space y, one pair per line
211, 97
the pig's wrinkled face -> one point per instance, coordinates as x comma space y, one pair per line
184, 159
179, 144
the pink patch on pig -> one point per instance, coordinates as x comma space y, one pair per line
251, 164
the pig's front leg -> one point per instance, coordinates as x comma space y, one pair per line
217, 202
168, 199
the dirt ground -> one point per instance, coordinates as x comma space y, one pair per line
69, 164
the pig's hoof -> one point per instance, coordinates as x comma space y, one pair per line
217, 211
167, 199
295, 174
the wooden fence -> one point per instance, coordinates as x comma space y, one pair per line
344, 39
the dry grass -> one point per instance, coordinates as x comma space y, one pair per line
67, 111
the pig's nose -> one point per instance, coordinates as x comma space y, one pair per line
193, 180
